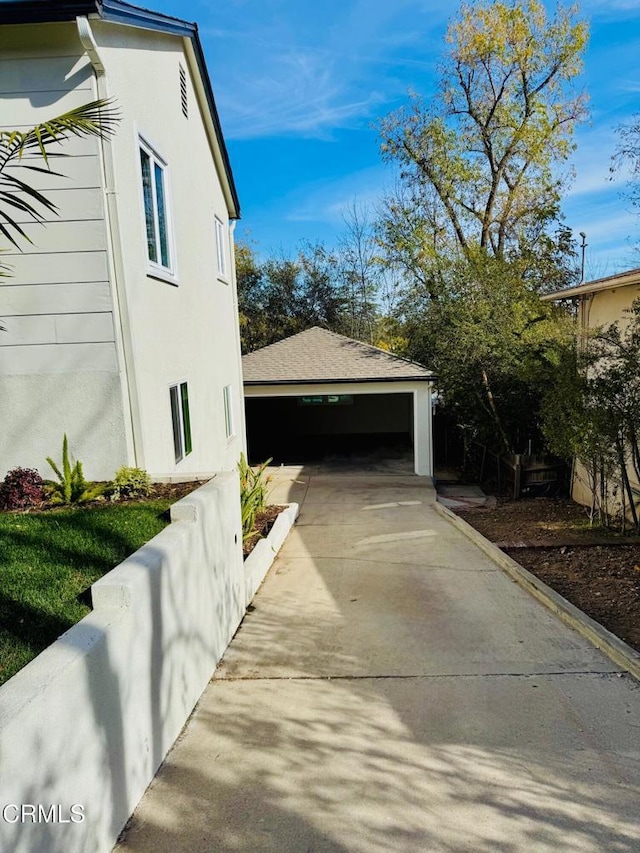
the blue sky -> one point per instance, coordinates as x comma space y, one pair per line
300, 88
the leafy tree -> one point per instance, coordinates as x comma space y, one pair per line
360, 271
475, 220
322, 293
483, 151
628, 155
592, 412
278, 297
492, 344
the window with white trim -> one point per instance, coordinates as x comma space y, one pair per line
229, 422
221, 248
153, 170
179, 396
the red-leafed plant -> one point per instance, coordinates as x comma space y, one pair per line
21, 488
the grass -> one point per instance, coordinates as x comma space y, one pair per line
49, 559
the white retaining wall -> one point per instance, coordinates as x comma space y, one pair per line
88, 722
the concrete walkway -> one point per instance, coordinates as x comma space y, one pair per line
393, 690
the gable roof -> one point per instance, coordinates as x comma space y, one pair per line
622, 279
319, 356
119, 12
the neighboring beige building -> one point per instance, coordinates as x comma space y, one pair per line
599, 303
121, 318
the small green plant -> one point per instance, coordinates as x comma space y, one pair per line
130, 483
253, 493
71, 486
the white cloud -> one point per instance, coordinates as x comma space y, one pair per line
284, 72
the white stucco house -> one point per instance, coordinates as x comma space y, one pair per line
121, 318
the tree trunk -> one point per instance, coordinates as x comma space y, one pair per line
626, 483
494, 411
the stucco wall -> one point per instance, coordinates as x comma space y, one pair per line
184, 329
601, 309
57, 304
609, 306
62, 307
88, 722
38, 409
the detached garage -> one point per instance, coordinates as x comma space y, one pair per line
318, 392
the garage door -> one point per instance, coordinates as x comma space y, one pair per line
306, 429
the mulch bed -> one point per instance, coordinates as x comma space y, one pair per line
597, 571
161, 491
264, 522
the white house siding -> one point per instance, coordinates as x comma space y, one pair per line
187, 330
58, 355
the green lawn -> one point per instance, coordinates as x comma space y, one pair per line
47, 560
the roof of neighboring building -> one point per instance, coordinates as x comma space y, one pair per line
119, 12
622, 279
318, 356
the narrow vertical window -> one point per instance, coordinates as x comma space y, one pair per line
149, 206
221, 249
227, 393
180, 420
156, 213
183, 92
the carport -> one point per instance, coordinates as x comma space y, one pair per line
319, 392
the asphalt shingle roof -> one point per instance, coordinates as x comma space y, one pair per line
317, 355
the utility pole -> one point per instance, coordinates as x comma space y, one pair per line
583, 246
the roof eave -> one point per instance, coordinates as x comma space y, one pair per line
345, 381
118, 12
626, 279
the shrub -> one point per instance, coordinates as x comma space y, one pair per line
130, 483
71, 486
21, 488
253, 493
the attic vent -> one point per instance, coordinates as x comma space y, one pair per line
183, 92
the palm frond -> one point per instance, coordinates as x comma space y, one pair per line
97, 118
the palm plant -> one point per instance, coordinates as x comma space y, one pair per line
253, 494
17, 198
71, 486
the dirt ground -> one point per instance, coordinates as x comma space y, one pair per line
597, 571
264, 522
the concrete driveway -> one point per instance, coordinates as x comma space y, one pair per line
394, 690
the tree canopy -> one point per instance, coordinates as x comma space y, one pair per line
483, 151
475, 221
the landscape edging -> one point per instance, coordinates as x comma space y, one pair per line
261, 558
616, 649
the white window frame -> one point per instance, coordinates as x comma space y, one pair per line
180, 418
158, 268
229, 415
221, 249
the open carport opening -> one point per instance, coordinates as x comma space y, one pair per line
297, 429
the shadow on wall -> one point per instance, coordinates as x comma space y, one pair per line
300, 759
90, 720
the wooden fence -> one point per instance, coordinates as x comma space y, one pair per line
521, 474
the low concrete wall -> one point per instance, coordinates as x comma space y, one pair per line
85, 726
260, 559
